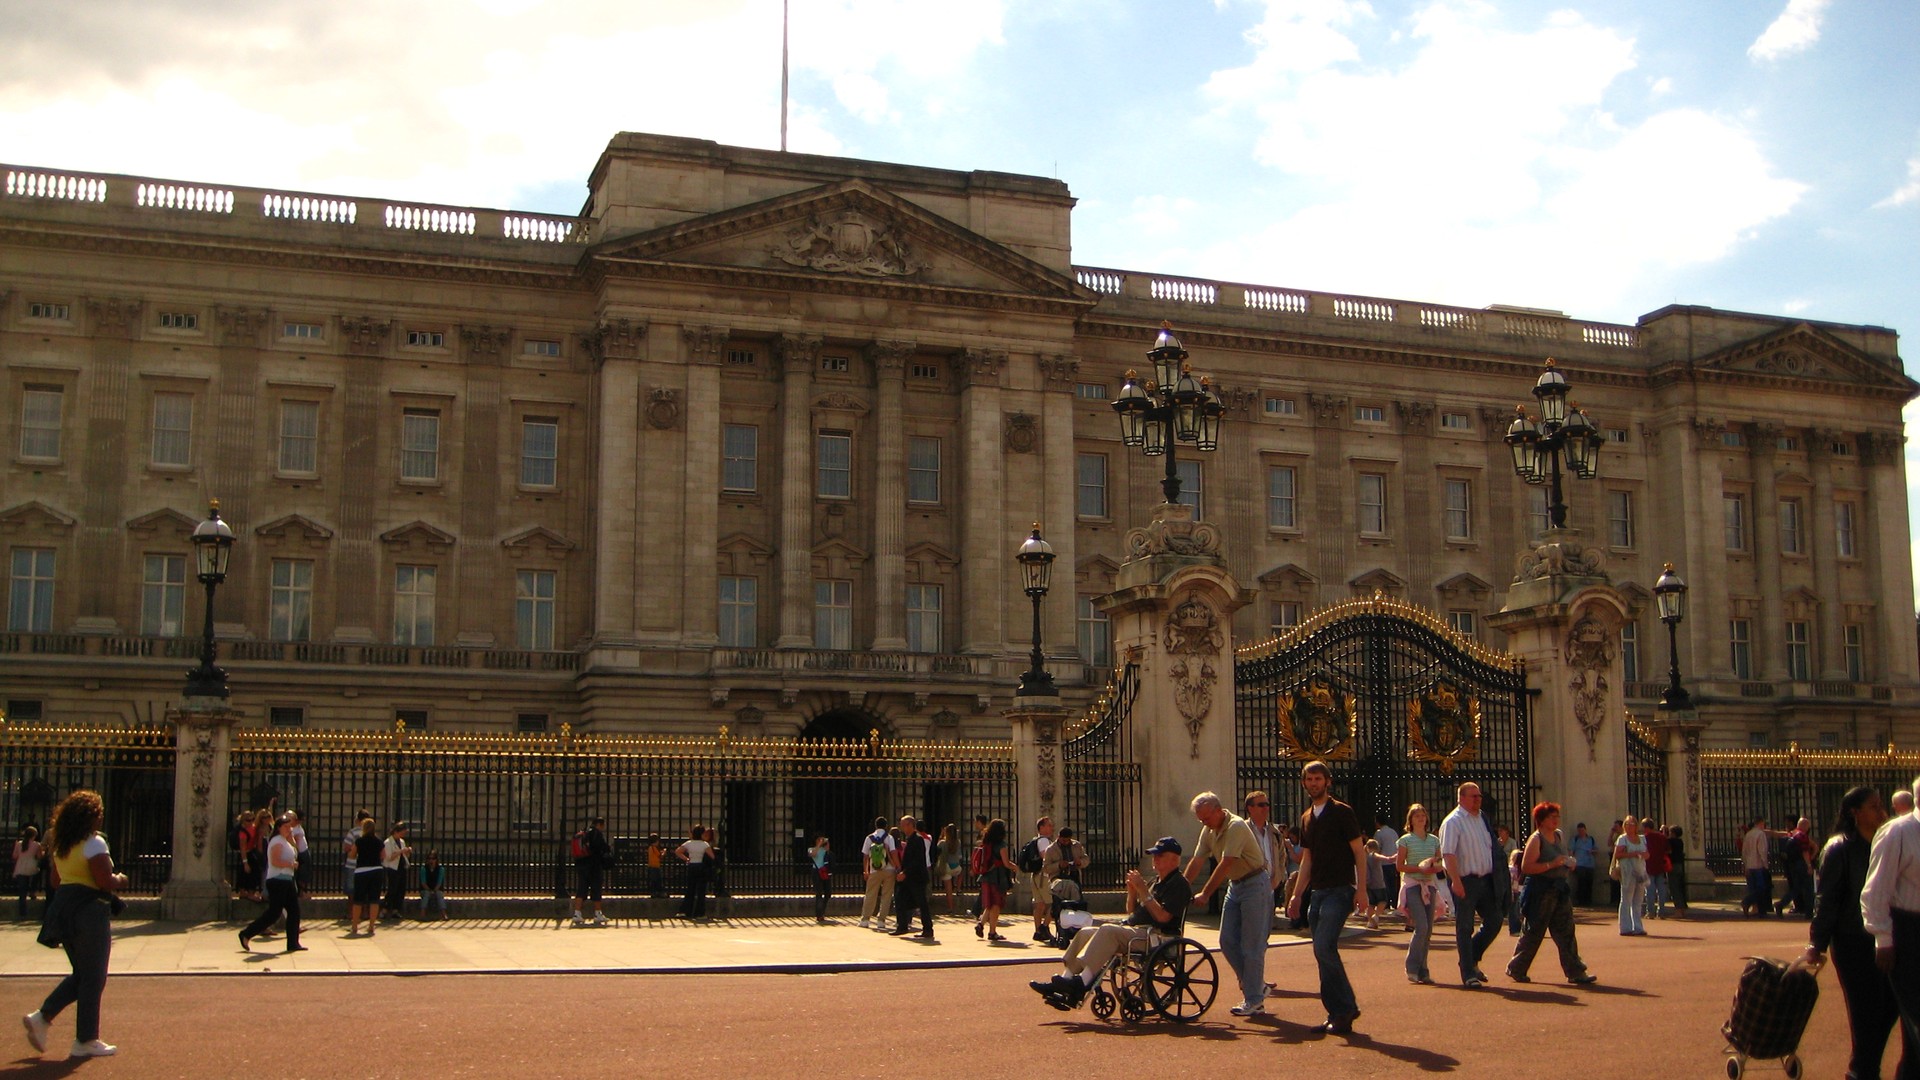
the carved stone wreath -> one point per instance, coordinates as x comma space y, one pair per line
1023, 433
663, 408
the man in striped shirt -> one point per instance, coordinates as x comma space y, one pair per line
1890, 908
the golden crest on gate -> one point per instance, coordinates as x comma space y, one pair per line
1443, 725
1315, 722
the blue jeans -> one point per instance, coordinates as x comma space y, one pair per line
1633, 892
1759, 893
1480, 900
1420, 914
1328, 917
1657, 896
1245, 920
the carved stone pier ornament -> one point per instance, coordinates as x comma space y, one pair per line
1560, 553
1589, 653
1194, 639
1173, 532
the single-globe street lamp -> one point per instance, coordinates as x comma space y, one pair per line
1170, 408
1036, 562
1562, 432
212, 547
1670, 593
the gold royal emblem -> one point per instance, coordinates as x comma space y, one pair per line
1442, 727
1314, 724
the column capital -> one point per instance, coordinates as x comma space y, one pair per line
797, 354
364, 335
113, 316
1327, 409
615, 339
1820, 442
1059, 370
1883, 447
485, 342
240, 325
1416, 417
705, 343
1763, 438
1707, 431
982, 367
890, 356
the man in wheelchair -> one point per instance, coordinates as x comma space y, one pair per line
1159, 906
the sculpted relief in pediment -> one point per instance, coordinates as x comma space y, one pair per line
847, 241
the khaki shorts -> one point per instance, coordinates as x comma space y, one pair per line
1042, 886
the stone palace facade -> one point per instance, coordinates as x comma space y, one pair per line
754, 439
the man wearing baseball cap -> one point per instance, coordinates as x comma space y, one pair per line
1159, 905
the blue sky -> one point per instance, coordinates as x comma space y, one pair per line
1599, 158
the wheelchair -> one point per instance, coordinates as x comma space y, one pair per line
1163, 975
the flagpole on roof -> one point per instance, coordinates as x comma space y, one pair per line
783, 76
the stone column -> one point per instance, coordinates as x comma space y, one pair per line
1038, 769
1890, 537
890, 494
1696, 448
197, 889
1419, 494
233, 416
1679, 734
985, 539
615, 347
109, 440
479, 557
1059, 612
1831, 661
1563, 618
797, 355
1172, 616
1333, 499
700, 582
1763, 442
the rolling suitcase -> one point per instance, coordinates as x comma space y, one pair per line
1771, 1006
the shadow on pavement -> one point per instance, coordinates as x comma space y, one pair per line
1426, 1060
1154, 1027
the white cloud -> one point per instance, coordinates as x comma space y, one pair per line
1797, 28
445, 100
1905, 193
1430, 176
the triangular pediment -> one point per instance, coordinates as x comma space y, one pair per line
294, 527
165, 519
34, 515
1377, 580
1287, 576
538, 536
849, 231
933, 555
1464, 585
1804, 352
418, 534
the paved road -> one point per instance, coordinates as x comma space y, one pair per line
1656, 1013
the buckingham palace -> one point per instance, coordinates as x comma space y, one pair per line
753, 441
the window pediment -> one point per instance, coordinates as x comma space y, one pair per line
418, 536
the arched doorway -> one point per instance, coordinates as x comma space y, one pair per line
835, 795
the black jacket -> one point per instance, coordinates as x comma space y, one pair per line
1836, 906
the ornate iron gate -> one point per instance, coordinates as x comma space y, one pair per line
1646, 773
1102, 798
1402, 707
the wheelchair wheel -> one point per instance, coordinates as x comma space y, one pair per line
1181, 979
1132, 1009
1103, 1004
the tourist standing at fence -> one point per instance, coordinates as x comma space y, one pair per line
879, 860
915, 887
1659, 865
656, 867
26, 866
79, 919
1677, 870
1890, 911
1247, 915
694, 853
1838, 930
1417, 854
298, 834
433, 887
1546, 899
1756, 859
246, 842
1469, 852
822, 860
948, 859
995, 870
1334, 867
717, 872
590, 851
1902, 803
1613, 882
1630, 853
283, 892
1797, 854
393, 858
1033, 865
1385, 842
1584, 850
349, 858
369, 879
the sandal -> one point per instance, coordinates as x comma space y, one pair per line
995, 937
979, 931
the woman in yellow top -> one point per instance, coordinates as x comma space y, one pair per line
78, 915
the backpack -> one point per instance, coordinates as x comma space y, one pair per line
579, 845
981, 861
1030, 860
877, 852
1069, 861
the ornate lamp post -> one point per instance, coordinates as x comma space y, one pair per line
1169, 409
1036, 562
1563, 431
1670, 593
212, 546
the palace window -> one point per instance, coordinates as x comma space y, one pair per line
739, 457
1843, 530
1740, 642
299, 436
923, 469
739, 612
1096, 634
1799, 651
40, 421
1459, 510
923, 618
420, 444
163, 596
172, 429
290, 601
539, 451
1281, 502
30, 592
533, 594
1853, 646
834, 468
1190, 495
1620, 519
1373, 504
1734, 517
833, 615
1791, 542
1091, 493
413, 594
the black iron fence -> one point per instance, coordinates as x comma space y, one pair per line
1785, 785
1102, 779
132, 769
1646, 773
499, 810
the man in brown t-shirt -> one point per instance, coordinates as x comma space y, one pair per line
1334, 867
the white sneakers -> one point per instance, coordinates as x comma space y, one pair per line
578, 919
1249, 1008
600, 919
93, 1049
36, 1030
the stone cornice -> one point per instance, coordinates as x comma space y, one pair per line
597, 275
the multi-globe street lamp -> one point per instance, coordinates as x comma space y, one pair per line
1036, 563
212, 547
1170, 408
1670, 594
1563, 431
